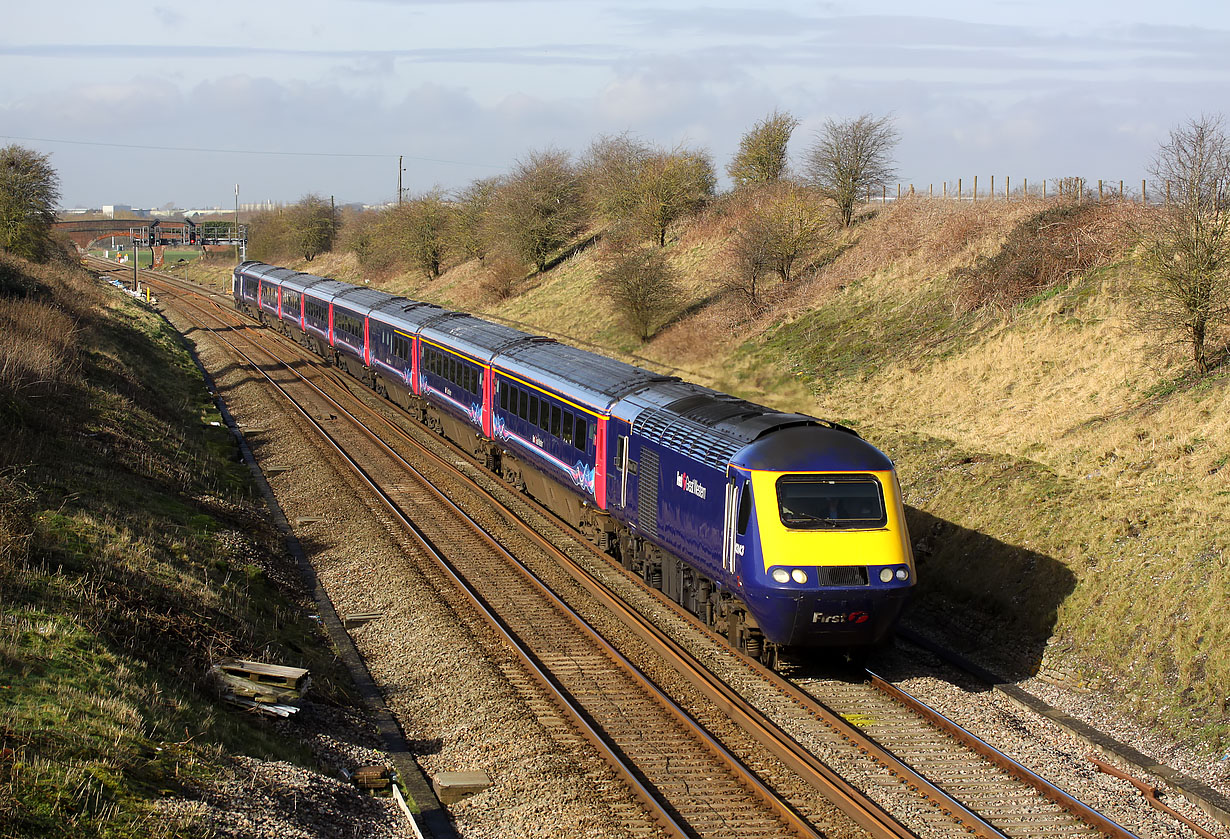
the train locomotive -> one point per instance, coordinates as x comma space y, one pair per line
778, 529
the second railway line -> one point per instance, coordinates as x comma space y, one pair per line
924, 826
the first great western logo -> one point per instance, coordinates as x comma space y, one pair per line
690, 485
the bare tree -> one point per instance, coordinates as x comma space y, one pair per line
848, 157
314, 224
420, 226
609, 172
1185, 254
29, 192
538, 208
669, 186
271, 237
469, 233
761, 158
781, 228
643, 287
502, 273
750, 263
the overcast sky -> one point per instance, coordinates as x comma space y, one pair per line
155, 103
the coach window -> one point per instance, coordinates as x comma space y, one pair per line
555, 420
502, 387
401, 348
533, 417
581, 433
567, 436
745, 510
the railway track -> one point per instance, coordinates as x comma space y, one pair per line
691, 784
893, 756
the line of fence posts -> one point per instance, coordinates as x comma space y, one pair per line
1064, 188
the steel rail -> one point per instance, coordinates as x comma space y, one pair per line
660, 814
1026, 776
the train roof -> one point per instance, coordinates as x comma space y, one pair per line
357, 299
473, 336
813, 448
300, 282
405, 314
707, 425
261, 271
585, 377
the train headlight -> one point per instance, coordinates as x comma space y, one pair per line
903, 574
799, 576
781, 575
886, 575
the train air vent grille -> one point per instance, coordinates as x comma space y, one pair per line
647, 492
842, 575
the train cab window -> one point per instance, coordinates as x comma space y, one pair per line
567, 435
555, 420
580, 433
832, 502
745, 510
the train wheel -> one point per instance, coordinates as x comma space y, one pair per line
771, 657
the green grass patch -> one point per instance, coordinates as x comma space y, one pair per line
133, 554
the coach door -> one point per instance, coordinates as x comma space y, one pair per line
738, 507
621, 469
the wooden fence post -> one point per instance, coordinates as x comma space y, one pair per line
1099, 190
1144, 196
1044, 189
958, 189
975, 187
1007, 187
992, 187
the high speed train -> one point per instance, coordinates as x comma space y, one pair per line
778, 529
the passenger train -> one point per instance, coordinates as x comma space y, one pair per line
778, 529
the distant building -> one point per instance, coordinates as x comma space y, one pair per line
113, 210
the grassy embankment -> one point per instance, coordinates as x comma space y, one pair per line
133, 553
1066, 475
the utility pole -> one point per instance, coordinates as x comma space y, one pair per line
399, 171
236, 224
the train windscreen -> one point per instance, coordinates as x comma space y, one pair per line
830, 502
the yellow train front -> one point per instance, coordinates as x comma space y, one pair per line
821, 550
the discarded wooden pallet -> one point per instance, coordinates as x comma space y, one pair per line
374, 777
261, 683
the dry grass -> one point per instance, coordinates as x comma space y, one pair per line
1070, 476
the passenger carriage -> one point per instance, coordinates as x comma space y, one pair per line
778, 528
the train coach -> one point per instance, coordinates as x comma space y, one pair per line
778, 529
